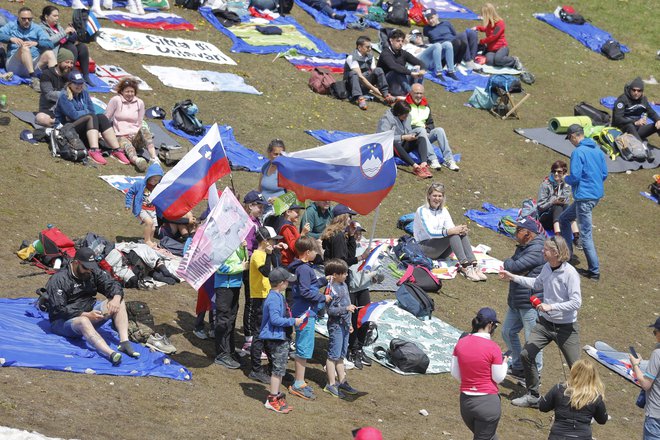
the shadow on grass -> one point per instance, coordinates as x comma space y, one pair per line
254, 390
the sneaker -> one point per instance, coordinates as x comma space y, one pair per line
354, 358
589, 274
348, 365
277, 403
227, 361
480, 273
452, 165
141, 164
518, 65
35, 84
471, 65
121, 157
526, 401
334, 391
127, 347
422, 172
160, 343
364, 359
452, 75
115, 358
259, 376
470, 273
346, 388
362, 103
435, 164
97, 157
304, 392
201, 333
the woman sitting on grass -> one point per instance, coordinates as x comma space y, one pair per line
554, 197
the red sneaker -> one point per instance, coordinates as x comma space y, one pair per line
277, 403
121, 157
97, 157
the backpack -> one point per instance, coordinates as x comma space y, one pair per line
140, 321
338, 90
408, 251
612, 50
56, 245
184, 119
567, 14
598, 117
416, 14
507, 226
188, 4
86, 25
397, 13
507, 83
630, 148
422, 277
171, 154
98, 244
413, 299
406, 222
321, 81
606, 139
528, 209
376, 13
65, 143
654, 189
407, 356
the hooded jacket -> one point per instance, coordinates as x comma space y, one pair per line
70, 110
230, 274
305, 289
126, 116
32, 33
527, 261
628, 110
588, 171
135, 194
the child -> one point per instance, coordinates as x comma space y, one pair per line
137, 201
339, 327
306, 301
290, 233
276, 317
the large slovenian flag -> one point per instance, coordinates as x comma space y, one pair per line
358, 172
154, 20
185, 185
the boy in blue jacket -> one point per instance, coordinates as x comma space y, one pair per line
306, 301
277, 316
137, 201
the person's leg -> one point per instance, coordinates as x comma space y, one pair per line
502, 58
423, 145
46, 59
490, 58
583, 209
108, 133
568, 339
224, 299
539, 337
353, 85
432, 58
26, 59
510, 329
257, 347
556, 211
15, 63
247, 307
529, 317
448, 52
435, 247
438, 135
44, 119
397, 83
569, 215
647, 130
84, 327
459, 48
401, 152
83, 59
467, 248
380, 81
148, 228
467, 413
471, 40
651, 428
631, 129
304, 351
488, 411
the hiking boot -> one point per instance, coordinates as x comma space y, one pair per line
160, 343
201, 333
97, 157
304, 392
115, 358
35, 84
362, 103
127, 347
259, 376
121, 157
589, 274
518, 65
435, 164
334, 391
355, 359
470, 273
364, 359
526, 401
141, 164
452, 75
227, 361
577, 243
346, 388
277, 403
451, 164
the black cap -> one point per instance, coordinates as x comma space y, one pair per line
574, 129
342, 209
280, 274
487, 314
428, 13
86, 257
528, 223
254, 197
296, 206
656, 325
155, 113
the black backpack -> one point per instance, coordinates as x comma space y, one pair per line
188, 4
415, 300
184, 118
338, 90
404, 355
284, 6
612, 50
408, 251
66, 143
79, 22
598, 117
570, 16
397, 13
422, 277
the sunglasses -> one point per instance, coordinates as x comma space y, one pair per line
558, 171
26, 18
636, 90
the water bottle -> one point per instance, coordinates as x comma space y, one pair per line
57, 264
3, 103
49, 226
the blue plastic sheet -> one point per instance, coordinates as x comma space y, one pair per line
609, 101
26, 341
241, 45
321, 18
450, 9
587, 34
240, 157
490, 216
466, 83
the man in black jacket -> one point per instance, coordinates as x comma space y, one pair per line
393, 61
632, 111
528, 261
72, 307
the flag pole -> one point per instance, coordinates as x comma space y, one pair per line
371, 237
231, 176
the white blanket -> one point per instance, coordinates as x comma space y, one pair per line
203, 80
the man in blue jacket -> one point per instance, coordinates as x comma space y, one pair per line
29, 47
587, 174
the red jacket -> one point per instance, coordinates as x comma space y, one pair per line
494, 39
289, 235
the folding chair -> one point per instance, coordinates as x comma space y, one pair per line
505, 106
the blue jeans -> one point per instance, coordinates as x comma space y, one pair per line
438, 135
516, 320
400, 83
338, 340
651, 428
580, 210
432, 56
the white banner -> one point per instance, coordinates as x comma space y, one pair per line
147, 44
203, 80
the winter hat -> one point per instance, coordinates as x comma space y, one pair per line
64, 55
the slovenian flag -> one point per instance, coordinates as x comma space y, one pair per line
154, 20
357, 172
373, 259
185, 185
305, 321
372, 311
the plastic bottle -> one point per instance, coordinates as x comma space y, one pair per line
3, 103
57, 264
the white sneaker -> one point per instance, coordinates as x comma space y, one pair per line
201, 334
471, 65
348, 365
451, 164
435, 164
470, 273
160, 343
480, 273
518, 65
526, 401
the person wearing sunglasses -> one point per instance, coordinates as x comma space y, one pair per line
553, 198
633, 114
649, 382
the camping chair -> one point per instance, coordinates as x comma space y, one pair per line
502, 89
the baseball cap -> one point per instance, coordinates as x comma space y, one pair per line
280, 274
528, 223
358, 227
342, 209
428, 13
86, 257
573, 129
487, 314
368, 433
76, 78
296, 206
656, 325
267, 233
155, 113
254, 197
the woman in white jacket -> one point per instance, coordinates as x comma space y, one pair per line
438, 237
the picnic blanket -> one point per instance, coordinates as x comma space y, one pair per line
26, 341
467, 81
14, 81
115, 4
120, 182
330, 136
309, 63
154, 20
587, 34
490, 215
246, 38
203, 80
450, 9
609, 101
108, 75
435, 337
240, 157
614, 360
321, 18
558, 143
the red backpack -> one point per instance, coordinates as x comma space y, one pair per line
321, 80
422, 277
55, 245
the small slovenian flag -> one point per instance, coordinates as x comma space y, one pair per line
373, 259
372, 311
305, 317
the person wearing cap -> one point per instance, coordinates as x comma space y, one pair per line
462, 46
395, 61
318, 215
53, 80
126, 111
558, 312
650, 383
431, 54
74, 106
65, 38
268, 185
361, 72
478, 364
289, 232
28, 48
632, 112
587, 174
74, 312
527, 260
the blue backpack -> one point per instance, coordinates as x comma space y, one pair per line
413, 299
409, 252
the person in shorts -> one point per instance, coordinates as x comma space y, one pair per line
137, 201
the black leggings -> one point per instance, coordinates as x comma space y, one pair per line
80, 53
550, 216
402, 149
90, 122
640, 133
356, 339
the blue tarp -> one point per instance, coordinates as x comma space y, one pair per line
467, 82
240, 157
26, 341
241, 45
116, 4
330, 136
490, 216
321, 18
609, 101
450, 9
587, 34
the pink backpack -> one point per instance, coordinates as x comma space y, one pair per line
422, 277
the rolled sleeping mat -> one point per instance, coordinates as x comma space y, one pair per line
560, 124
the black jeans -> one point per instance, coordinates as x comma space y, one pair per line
257, 347
247, 326
226, 309
500, 58
640, 133
356, 339
357, 89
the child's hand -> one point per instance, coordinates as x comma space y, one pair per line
351, 308
298, 321
328, 298
269, 249
244, 243
306, 229
282, 246
350, 329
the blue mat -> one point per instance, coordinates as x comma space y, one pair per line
587, 34
321, 18
649, 196
490, 216
26, 341
8, 15
115, 4
240, 157
467, 82
450, 9
241, 45
15, 81
330, 136
609, 101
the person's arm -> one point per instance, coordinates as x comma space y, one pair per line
619, 118
141, 112
267, 266
111, 109
389, 62
289, 236
306, 280
547, 403
424, 217
451, 28
351, 249
530, 283
429, 123
66, 106
334, 307
455, 369
48, 90
545, 198
576, 169
384, 124
600, 412
130, 196
88, 103
498, 31
498, 371
646, 379
55, 37
5, 33
56, 292
574, 295
106, 285
525, 262
43, 41
275, 312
